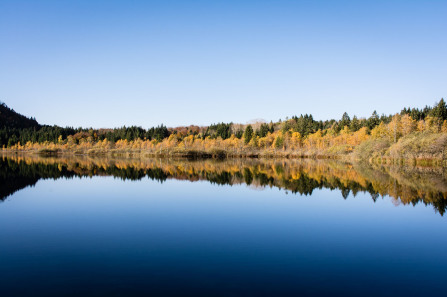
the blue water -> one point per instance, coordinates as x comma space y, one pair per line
103, 236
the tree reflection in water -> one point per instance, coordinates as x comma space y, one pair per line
406, 185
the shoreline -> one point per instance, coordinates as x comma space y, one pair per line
429, 161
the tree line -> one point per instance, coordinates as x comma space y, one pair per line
16, 128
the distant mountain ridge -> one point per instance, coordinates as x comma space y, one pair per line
11, 119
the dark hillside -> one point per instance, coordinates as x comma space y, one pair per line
11, 119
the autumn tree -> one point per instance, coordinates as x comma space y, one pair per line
432, 124
279, 140
420, 126
296, 140
380, 131
408, 124
444, 127
395, 128
360, 136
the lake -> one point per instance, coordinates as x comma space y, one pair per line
156, 227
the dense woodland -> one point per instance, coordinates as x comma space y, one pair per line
299, 134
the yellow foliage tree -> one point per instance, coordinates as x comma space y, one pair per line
408, 124
360, 136
420, 125
444, 127
315, 139
380, 131
432, 124
296, 140
395, 128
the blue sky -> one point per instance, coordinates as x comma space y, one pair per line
114, 63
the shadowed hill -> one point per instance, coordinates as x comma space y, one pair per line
11, 119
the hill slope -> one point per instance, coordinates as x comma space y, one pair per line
11, 119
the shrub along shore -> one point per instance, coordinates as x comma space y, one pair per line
422, 148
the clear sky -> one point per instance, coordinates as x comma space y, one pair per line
113, 63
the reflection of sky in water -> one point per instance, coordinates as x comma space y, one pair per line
178, 236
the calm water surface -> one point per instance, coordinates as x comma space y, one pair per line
99, 227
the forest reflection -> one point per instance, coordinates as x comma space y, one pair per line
406, 185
